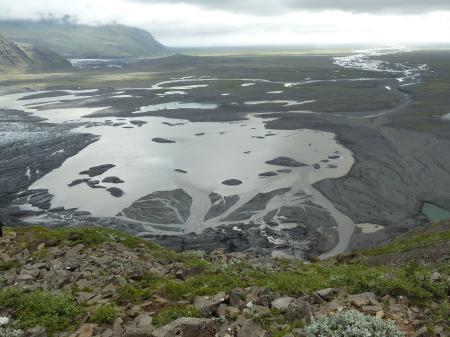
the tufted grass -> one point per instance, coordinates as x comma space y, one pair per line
54, 311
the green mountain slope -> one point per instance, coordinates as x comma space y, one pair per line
82, 41
17, 57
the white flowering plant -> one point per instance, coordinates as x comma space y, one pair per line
351, 324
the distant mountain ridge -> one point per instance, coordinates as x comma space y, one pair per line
19, 58
82, 41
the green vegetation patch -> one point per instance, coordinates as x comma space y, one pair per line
199, 285
205, 284
130, 293
54, 311
413, 242
411, 280
7, 265
440, 312
272, 321
89, 236
94, 236
104, 315
169, 314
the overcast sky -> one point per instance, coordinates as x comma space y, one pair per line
257, 22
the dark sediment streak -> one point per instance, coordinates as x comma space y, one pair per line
42, 147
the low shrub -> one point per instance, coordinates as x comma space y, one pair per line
351, 324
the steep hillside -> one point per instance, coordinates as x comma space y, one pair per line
91, 281
12, 58
82, 41
15, 57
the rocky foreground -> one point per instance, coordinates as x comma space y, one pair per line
84, 282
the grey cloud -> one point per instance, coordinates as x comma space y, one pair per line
268, 7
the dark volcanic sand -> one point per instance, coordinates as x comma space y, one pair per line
163, 141
112, 180
115, 192
232, 182
268, 174
97, 170
286, 162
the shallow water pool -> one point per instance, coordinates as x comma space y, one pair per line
434, 212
